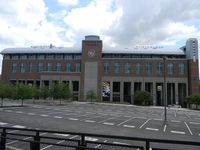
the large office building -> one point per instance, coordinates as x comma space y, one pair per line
114, 74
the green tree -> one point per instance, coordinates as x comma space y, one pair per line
5, 91
91, 95
142, 98
66, 92
44, 92
193, 99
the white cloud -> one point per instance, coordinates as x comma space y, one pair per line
68, 2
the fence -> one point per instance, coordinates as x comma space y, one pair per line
80, 141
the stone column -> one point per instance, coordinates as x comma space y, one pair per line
121, 92
154, 93
132, 92
111, 91
176, 93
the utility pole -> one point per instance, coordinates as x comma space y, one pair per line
164, 88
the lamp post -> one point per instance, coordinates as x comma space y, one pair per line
164, 88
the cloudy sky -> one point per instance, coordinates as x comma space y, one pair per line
119, 23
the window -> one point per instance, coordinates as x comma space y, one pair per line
127, 68
106, 67
40, 67
49, 67
68, 67
41, 57
78, 67
148, 68
170, 68
49, 56
14, 57
6, 57
22, 68
159, 68
77, 57
138, 68
31, 67
68, 56
181, 68
117, 68
23, 57
14, 68
31, 56
58, 67
59, 56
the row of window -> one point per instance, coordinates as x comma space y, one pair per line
43, 56
148, 68
40, 67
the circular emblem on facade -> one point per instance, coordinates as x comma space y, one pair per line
91, 53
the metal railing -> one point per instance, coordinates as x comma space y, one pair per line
36, 138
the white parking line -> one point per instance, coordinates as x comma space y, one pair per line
74, 119
58, 134
31, 114
3, 123
144, 123
57, 117
152, 129
194, 122
128, 126
8, 111
106, 119
19, 126
188, 128
91, 139
177, 132
44, 115
19, 112
108, 123
100, 144
125, 121
121, 143
175, 121
90, 121
165, 128
157, 119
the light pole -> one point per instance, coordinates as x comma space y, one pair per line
164, 88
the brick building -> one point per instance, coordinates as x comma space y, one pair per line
114, 74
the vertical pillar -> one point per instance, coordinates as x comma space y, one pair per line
143, 85
111, 91
132, 92
154, 93
121, 92
176, 93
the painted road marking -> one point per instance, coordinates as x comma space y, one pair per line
90, 139
90, 121
108, 123
165, 128
73, 119
8, 110
31, 114
175, 121
19, 126
157, 119
125, 121
121, 143
106, 120
188, 128
3, 123
144, 123
152, 129
58, 134
194, 122
100, 144
57, 117
44, 115
128, 126
19, 112
177, 132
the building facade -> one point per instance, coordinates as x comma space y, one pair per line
114, 74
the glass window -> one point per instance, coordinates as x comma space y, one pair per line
22, 68
78, 67
31, 56
49, 67
40, 56
58, 67
170, 68
68, 56
6, 57
117, 68
59, 56
138, 68
127, 68
181, 68
31, 67
159, 68
148, 68
40, 67
23, 57
49, 56
14, 68
106, 67
14, 57
77, 57
68, 67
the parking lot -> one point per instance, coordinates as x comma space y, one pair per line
122, 120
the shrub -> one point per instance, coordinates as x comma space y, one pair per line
91, 95
142, 98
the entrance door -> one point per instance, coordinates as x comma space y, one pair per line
127, 92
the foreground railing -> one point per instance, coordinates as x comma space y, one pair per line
36, 139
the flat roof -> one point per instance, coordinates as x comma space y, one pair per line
134, 50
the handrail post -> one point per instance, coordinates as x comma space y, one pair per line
35, 145
82, 143
147, 144
3, 140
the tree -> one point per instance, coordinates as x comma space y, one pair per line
193, 99
142, 98
91, 95
44, 92
66, 94
5, 91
